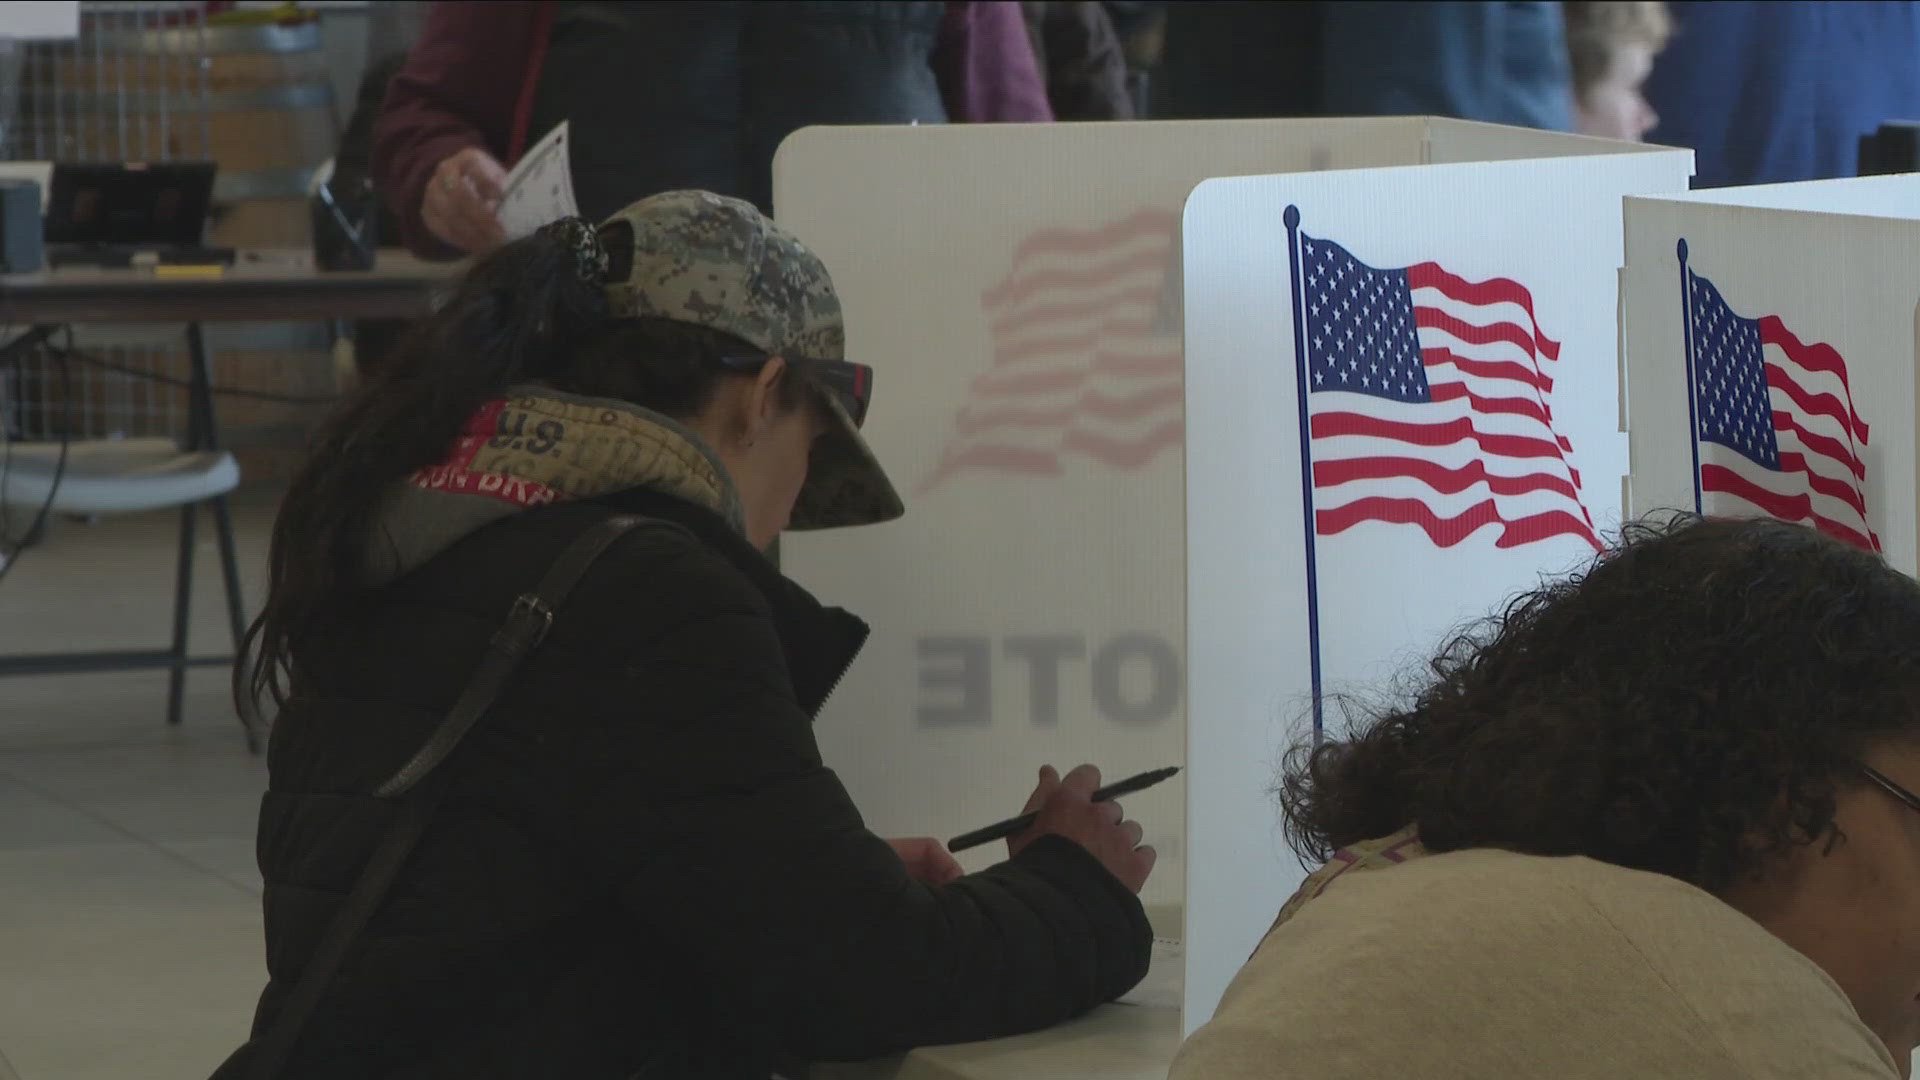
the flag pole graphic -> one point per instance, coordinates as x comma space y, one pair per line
1292, 219
1693, 387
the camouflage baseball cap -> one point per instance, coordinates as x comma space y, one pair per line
717, 262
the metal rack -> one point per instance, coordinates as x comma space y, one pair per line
154, 81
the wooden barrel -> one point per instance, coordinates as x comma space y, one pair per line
256, 100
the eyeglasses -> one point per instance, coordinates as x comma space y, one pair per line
848, 383
1909, 798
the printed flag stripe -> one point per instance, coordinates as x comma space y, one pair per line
1446, 532
1796, 507
1084, 362
1068, 344
1118, 453
1820, 404
1823, 485
1065, 378
1822, 358
1330, 424
1048, 241
1141, 297
1483, 293
1082, 277
1820, 444
1531, 408
1122, 453
999, 458
1511, 333
1489, 369
976, 419
1447, 481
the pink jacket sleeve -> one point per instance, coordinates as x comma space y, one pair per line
985, 64
462, 85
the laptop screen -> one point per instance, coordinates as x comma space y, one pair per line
137, 204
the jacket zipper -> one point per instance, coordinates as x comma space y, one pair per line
846, 665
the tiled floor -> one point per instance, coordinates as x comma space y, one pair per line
129, 902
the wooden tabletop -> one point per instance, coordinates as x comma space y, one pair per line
261, 286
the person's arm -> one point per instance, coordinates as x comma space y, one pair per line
985, 65
457, 91
708, 809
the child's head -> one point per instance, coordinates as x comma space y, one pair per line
1612, 44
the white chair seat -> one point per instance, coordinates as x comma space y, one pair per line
113, 476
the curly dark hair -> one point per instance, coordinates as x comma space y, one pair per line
1689, 705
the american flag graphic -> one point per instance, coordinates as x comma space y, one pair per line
1776, 431
1086, 355
1428, 404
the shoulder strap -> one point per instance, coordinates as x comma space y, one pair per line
526, 626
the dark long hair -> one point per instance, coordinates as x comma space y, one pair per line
1689, 706
526, 313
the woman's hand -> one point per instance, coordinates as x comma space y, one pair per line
927, 861
462, 202
1067, 807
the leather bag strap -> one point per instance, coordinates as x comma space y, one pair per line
525, 628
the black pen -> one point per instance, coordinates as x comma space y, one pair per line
1021, 824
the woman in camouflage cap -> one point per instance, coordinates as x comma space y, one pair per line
639, 865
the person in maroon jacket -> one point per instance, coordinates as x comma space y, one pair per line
664, 96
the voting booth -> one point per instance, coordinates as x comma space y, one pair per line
1089, 389
1769, 354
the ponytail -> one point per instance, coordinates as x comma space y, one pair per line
520, 314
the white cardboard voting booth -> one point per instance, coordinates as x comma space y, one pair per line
1079, 483
1769, 353
1412, 393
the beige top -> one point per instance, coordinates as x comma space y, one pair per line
1486, 964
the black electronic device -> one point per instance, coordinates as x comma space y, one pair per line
1895, 148
118, 214
20, 246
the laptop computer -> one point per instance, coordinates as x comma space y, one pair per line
114, 214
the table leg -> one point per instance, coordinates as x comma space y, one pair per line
28, 341
203, 433
182, 597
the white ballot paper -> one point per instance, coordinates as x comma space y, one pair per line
540, 187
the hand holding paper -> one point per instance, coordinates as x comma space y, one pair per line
540, 187
463, 199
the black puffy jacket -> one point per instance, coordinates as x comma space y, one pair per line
642, 867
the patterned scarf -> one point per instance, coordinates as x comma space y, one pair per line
538, 446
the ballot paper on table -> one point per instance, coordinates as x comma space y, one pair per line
540, 187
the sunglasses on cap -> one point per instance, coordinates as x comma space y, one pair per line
848, 383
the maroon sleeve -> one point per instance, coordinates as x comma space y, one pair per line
461, 86
984, 61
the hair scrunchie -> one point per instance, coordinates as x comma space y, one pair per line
583, 238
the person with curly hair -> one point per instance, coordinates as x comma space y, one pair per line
1656, 819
